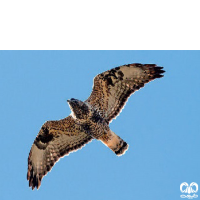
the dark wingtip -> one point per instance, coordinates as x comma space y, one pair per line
156, 71
33, 178
34, 182
159, 72
158, 76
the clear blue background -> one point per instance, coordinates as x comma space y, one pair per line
160, 123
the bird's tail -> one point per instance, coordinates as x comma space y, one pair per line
114, 142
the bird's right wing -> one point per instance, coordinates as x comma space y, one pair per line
55, 140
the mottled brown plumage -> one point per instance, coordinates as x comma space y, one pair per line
55, 139
89, 120
117, 84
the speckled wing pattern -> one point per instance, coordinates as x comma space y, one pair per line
54, 140
112, 88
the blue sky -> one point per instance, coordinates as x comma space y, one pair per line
160, 123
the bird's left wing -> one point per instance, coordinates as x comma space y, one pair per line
112, 88
55, 140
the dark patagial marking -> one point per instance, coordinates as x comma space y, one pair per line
43, 139
109, 81
113, 73
121, 75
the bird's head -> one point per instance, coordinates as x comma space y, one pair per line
80, 110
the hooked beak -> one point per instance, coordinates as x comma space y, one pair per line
70, 102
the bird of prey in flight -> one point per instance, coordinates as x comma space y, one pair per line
89, 119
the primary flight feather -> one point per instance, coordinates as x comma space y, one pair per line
89, 119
